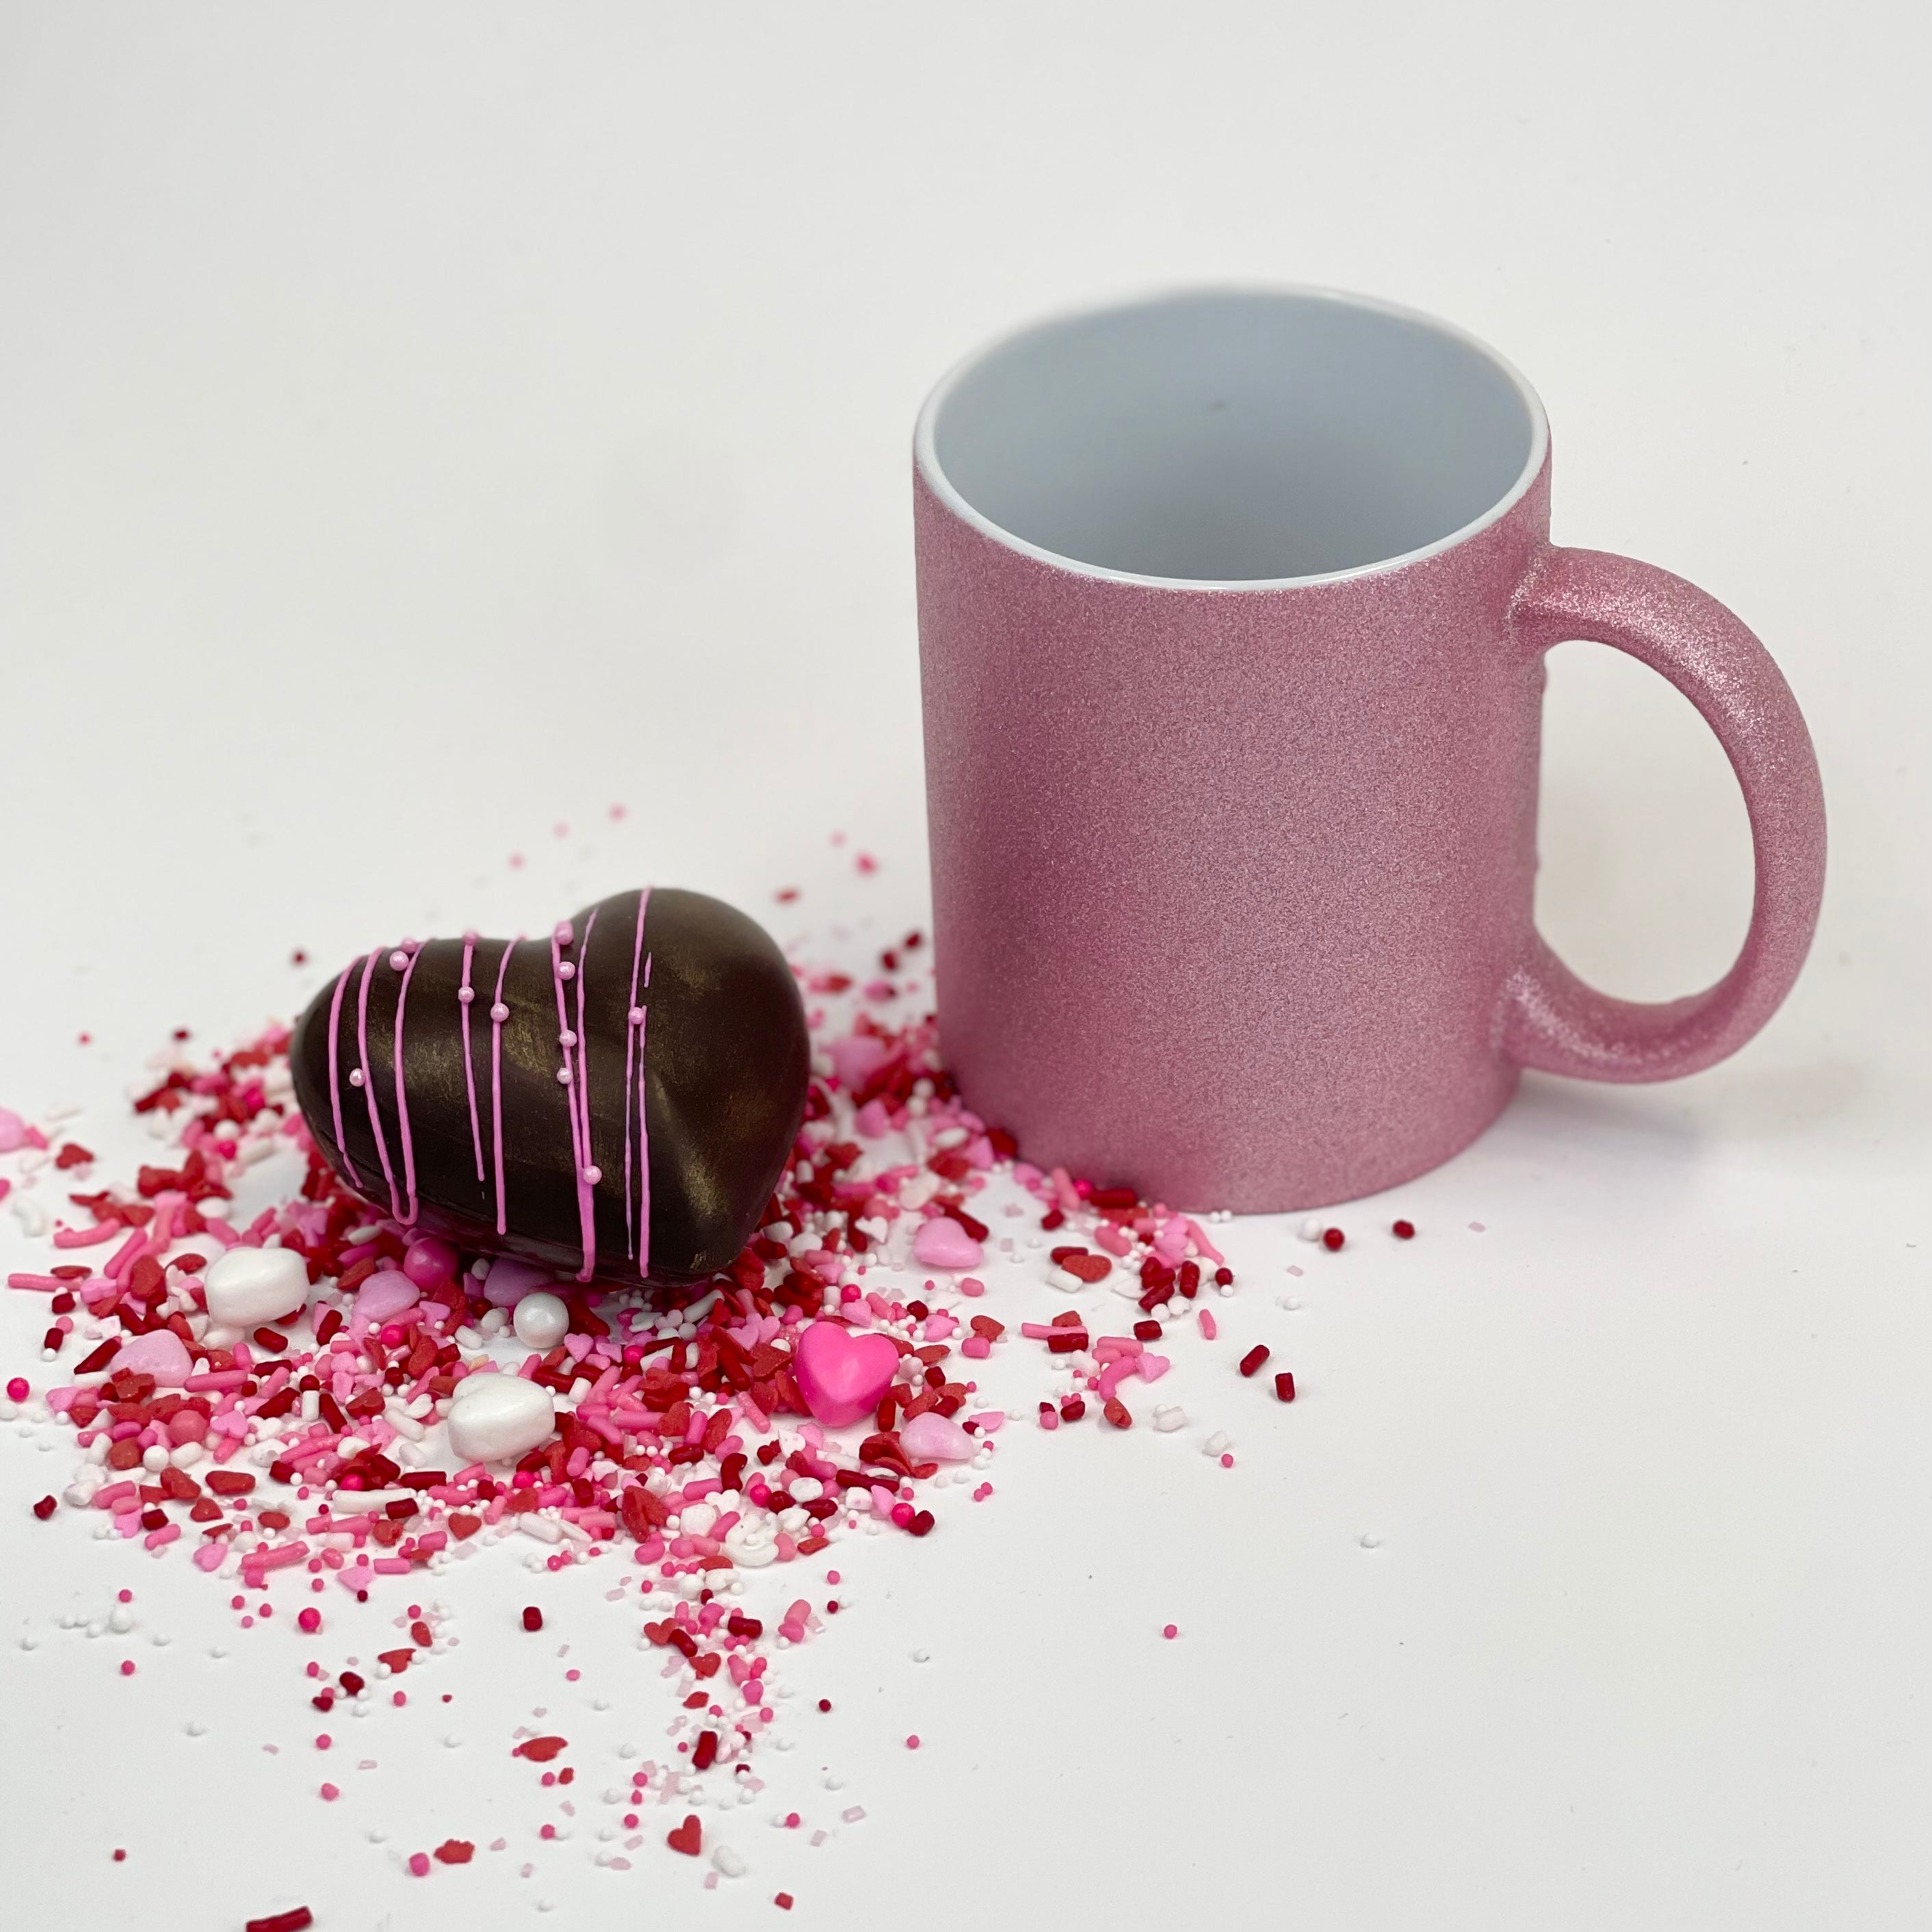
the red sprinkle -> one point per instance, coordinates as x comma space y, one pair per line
1251, 1361
455, 1851
688, 1838
1404, 1230
298, 1919
1284, 1387
783, 1901
532, 1618
45, 1507
1332, 1239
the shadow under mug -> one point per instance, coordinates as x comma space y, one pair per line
1232, 611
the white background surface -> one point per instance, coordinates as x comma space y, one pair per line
425, 425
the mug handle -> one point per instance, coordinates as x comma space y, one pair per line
1551, 1019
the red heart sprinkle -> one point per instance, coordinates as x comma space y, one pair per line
688, 1838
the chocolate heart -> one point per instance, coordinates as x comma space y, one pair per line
616, 1100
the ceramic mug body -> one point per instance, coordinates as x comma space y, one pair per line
1232, 612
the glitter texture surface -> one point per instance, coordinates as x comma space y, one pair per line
1233, 887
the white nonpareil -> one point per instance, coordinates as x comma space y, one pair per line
493, 1416
249, 1285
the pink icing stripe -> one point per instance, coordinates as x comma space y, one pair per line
497, 1077
643, 1139
560, 938
578, 1100
369, 1085
469, 1067
630, 1053
587, 1196
335, 1073
402, 1093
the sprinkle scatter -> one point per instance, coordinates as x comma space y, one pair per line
319, 1398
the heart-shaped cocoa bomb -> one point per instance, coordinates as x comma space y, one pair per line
616, 1099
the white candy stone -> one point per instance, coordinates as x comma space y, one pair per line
493, 1417
750, 1549
248, 1286
541, 1320
1311, 1228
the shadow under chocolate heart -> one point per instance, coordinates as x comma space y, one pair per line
616, 1099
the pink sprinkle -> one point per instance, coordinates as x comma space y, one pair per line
127, 1666
323, 1741
1170, 1630
973, 1285
18, 1389
330, 1794
912, 1742
1205, 1316
419, 1863
311, 1620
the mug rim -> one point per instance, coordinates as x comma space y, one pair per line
925, 455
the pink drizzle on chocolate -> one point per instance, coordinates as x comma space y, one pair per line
466, 998
402, 1090
636, 1209
335, 1070
497, 1016
368, 1085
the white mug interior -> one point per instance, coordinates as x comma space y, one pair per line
1231, 436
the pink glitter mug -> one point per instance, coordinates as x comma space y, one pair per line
1232, 607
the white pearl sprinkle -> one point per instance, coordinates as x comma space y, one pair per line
563, 1076
636, 1016
465, 994
499, 1013
566, 1038
399, 959
355, 1076
566, 971
593, 1175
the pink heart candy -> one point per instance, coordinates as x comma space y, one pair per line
386, 1294
160, 1353
933, 1438
855, 1061
941, 1242
841, 1375
509, 1280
